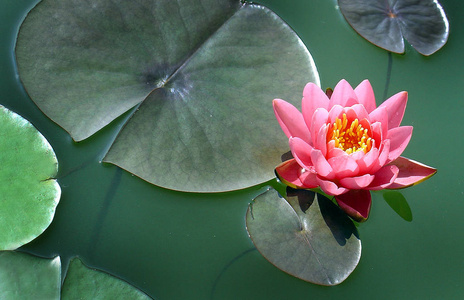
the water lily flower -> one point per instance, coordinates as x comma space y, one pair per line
347, 146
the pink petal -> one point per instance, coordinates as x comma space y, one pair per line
395, 106
384, 177
341, 93
361, 112
366, 95
321, 165
356, 204
410, 172
357, 155
344, 166
313, 98
382, 158
350, 113
333, 152
330, 188
309, 179
289, 173
291, 120
301, 152
320, 118
399, 138
377, 133
351, 102
367, 161
335, 112
358, 182
380, 115
321, 140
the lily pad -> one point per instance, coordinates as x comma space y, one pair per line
199, 77
23, 276
28, 193
307, 235
84, 283
423, 23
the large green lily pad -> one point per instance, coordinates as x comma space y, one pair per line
201, 74
307, 235
23, 276
385, 23
28, 193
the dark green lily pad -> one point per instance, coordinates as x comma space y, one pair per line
28, 193
84, 283
385, 23
398, 203
201, 75
307, 235
23, 276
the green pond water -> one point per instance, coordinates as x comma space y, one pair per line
175, 245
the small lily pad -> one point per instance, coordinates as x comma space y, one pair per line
23, 276
28, 193
423, 23
307, 235
198, 78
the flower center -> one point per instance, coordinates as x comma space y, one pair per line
349, 136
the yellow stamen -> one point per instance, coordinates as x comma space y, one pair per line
350, 138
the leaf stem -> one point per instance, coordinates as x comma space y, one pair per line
111, 192
216, 281
389, 69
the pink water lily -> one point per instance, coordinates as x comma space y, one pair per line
347, 146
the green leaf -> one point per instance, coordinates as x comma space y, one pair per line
84, 283
23, 276
201, 74
422, 23
28, 194
307, 235
398, 203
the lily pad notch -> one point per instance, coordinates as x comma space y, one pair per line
202, 75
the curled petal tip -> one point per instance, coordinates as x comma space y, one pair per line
410, 173
288, 173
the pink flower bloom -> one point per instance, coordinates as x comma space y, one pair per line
347, 146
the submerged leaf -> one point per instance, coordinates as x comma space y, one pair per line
307, 235
201, 74
385, 23
398, 203
23, 276
28, 194
84, 283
